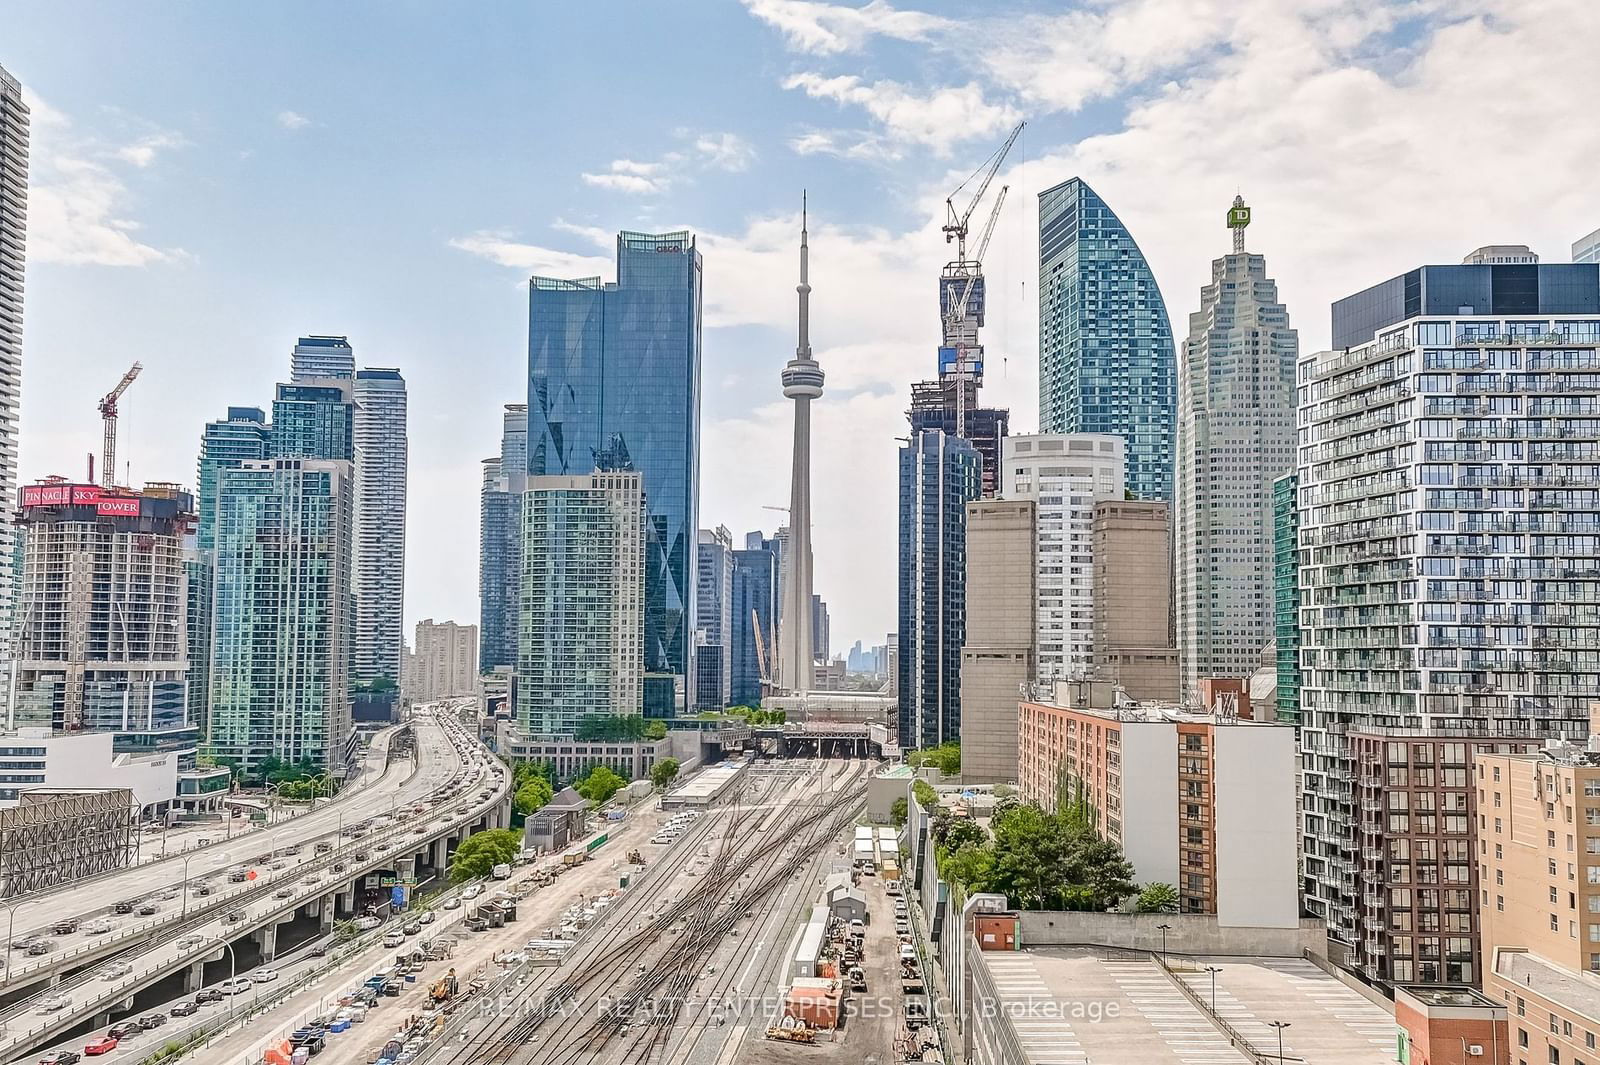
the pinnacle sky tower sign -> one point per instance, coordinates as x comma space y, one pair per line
802, 382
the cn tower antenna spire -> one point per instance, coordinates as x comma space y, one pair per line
803, 348
802, 382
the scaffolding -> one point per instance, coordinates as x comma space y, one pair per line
56, 837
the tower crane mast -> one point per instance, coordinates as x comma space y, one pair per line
108, 415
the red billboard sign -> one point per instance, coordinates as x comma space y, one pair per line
46, 495
85, 494
118, 506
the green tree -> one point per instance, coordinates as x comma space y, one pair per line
923, 792
946, 758
531, 794
971, 866
664, 772
599, 785
899, 811
1157, 898
655, 729
1047, 861
482, 851
962, 832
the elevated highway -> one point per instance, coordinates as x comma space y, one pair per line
192, 939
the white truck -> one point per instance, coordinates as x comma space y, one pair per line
501, 872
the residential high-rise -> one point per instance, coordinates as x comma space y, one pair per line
1106, 362
998, 656
1449, 517
13, 242
226, 443
820, 637
714, 612
1500, 253
445, 662
1065, 476
1132, 595
1587, 249
620, 363
933, 406
1236, 436
315, 420
1286, 594
316, 358
755, 608
100, 634
380, 547
795, 669
282, 615
583, 601
938, 478
500, 542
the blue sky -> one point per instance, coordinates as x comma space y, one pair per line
211, 181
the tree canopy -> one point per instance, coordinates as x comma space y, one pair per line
946, 758
482, 851
923, 792
602, 728
664, 772
899, 810
1157, 898
599, 785
1038, 860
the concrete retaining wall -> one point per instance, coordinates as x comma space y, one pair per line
1196, 934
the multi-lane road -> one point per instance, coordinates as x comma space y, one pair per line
306, 865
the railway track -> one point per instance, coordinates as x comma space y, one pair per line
584, 1016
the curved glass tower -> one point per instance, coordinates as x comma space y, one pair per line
1106, 360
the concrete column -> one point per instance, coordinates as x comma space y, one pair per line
440, 853
325, 911
266, 938
194, 977
347, 898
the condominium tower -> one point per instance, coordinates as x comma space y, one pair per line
316, 358
713, 688
755, 609
1106, 360
505, 477
282, 614
1065, 476
1449, 521
583, 594
445, 661
1235, 437
13, 239
380, 531
616, 366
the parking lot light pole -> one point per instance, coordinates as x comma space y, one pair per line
1163, 928
1213, 970
1280, 1026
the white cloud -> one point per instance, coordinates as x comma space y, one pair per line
845, 144
498, 247
142, 152
293, 120
630, 176
826, 29
725, 151
938, 118
77, 205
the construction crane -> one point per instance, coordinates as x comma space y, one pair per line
961, 356
108, 415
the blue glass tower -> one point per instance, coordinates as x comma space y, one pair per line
314, 421
619, 364
1106, 357
755, 609
939, 475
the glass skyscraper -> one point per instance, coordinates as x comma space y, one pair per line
500, 542
754, 616
714, 618
1286, 594
13, 238
1106, 360
939, 475
616, 367
314, 421
282, 615
382, 459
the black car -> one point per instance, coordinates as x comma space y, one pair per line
207, 995
61, 1057
123, 1029
186, 1009
124, 907
147, 910
153, 1020
320, 950
201, 890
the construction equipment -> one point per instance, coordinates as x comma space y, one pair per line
792, 1035
444, 988
108, 415
635, 858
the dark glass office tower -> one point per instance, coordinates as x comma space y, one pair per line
618, 365
314, 421
755, 611
939, 475
1106, 359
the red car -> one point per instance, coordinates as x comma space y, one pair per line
103, 1045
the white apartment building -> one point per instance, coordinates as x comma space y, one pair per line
379, 573
445, 662
1449, 502
13, 239
1065, 475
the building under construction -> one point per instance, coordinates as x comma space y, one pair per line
934, 405
101, 629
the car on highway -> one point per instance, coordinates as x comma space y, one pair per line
264, 976
103, 1045
411, 928
338, 867
233, 916
65, 927
125, 906
452, 904
152, 1020
190, 942
364, 923
61, 1057
123, 1029
53, 1004
186, 1008
39, 947
282, 893
202, 890
98, 927
116, 970
472, 892
207, 995
236, 986
238, 876
393, 939
148, 909
427, 917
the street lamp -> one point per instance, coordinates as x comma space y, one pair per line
1163, 928
11, 926
1213, 970
1280, 1026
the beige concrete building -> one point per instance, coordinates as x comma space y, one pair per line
1000, 653
1539, 905
1133, 643
1205, 803
444, 661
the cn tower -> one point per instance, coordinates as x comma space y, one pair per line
802, 382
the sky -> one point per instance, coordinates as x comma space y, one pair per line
211, 181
